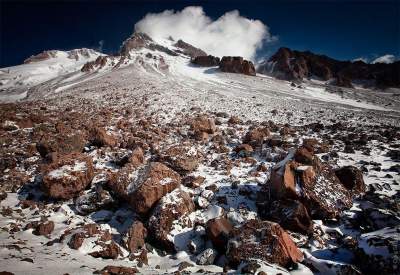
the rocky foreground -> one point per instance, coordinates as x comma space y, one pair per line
118, 189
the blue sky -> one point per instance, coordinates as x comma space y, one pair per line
341, 29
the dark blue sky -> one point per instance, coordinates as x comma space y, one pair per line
340, 29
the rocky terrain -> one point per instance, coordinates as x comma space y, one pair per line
148, 163
295, 65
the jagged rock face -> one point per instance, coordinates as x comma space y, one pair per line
236, 64
290, 214
189, 50
313, 183
288, 64
352, 178
143, 187
99, 63
218, 231
68, 176
136, 41
170, 208
262, 240
136, 236
206, 61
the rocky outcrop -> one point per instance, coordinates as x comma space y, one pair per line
99, 63
99, 137
262, 240
206, 61
301, 176
236, 64
352, 178
41, 56
218, 231
136, 237
117, 270
180, 158
135, 42
170, 208
189, 50
60, 143
67, 176
143, 187
289, 64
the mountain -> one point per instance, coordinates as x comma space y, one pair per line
160, 159
296, 65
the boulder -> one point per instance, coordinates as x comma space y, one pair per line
44, 228
352, 178
236, 64
68, 176
316, 185
291, 215
181, 158
93, 200
203, 123
262, 240
170, 208
218, 230
136, 236
142, 187
206, 61
99, 137
60, 143
243, 150
255, 137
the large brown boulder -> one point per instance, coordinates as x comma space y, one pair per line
99, 137
262, 240
117, 270
203, 123
180, 158
206, 61
236, 64
68, 176
170, 208
291, 215
256, 136
218, 230
60, 143
136, 237
316, 185
352, 178
142, 187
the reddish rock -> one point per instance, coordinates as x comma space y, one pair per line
192, 181
244, 150
316, 186
218, 230
236, 64
256, 136
189, 50
137, 157
117, 270
170, 208
180, 158
68, 176
44, 228
99, 137
304, 156
143, 187
203, 123
136, 237
234, 120
108, 251
76, 240
272, 244
206, 61
61, 144
352, 178
291, 215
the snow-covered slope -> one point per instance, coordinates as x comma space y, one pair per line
49, 65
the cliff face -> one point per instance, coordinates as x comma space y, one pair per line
288, 64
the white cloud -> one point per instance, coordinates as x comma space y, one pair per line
387, 58
230, 34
